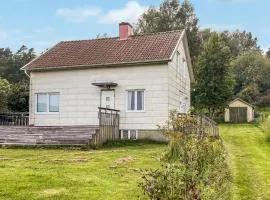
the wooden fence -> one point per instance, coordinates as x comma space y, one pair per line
199, 124
108, 126
14, 119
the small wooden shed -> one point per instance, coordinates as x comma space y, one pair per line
239, 111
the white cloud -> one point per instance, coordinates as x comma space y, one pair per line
265, 49
129, 13
222, 27
3, 35
78, 14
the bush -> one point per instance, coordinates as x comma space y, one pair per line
18, 99
194, 167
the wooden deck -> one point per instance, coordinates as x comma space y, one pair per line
14, 130
66, 135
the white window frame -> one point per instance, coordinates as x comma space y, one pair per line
129, 130
47, 103
136, 110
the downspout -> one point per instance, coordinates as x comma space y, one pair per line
25, 71
30, 94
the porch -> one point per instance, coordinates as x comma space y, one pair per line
15, 130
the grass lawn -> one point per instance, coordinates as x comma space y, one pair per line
110, 173
250, 160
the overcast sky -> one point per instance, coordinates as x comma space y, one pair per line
40, 24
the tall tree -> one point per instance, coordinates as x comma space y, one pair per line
18, 99
252, 72
268, 53
171, 15
4, 93
238, 42
214, 86
12, 71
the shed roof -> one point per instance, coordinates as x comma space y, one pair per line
239, 99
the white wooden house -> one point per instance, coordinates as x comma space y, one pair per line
143, 76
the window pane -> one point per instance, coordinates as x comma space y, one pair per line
131, 100
133, 134
41, 102
125, 135
53, 102
140, 100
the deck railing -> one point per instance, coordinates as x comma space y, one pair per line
14, 119
199, 124
108, 126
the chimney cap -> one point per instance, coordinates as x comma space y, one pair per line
125, 23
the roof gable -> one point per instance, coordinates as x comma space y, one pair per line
241, 100
109, 51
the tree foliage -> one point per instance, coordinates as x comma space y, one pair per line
18, 100
252, 72
15, 84
11, 63
214, 84
4, 93
238, 41
268, 53
171, 15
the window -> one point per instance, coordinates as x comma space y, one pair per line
135, 100
54, 102
41, 102
48, 102
129, 134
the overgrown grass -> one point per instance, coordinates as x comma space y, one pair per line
250, 160
109, 173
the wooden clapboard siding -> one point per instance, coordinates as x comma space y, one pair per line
79, 99
179, 83
65, 135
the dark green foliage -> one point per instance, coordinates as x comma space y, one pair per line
251, 71
268, 53
5, 89
171, 15
194, 167
17, 97
18, 100
240, 42
214, 83
10, 63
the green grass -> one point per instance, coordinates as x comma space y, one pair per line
250, 160
109, 173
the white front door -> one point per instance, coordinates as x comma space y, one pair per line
107, 99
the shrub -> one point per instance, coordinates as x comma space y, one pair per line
194, 166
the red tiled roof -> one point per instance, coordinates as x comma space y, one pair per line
109, 51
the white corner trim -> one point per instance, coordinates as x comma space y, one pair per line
178, 42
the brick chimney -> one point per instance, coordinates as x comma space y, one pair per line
125, 30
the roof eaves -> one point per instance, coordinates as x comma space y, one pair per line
164, 61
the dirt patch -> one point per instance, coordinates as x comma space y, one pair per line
64, 161
123, 161
53, 192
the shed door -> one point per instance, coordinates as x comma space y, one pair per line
107, 99
238, 115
